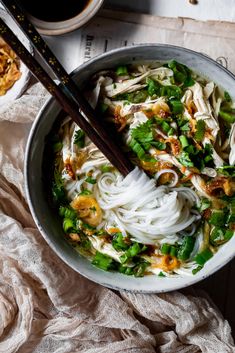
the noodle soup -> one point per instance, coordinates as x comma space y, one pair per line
169, 221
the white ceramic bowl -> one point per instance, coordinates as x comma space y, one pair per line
48, 221
61, 27
19, 86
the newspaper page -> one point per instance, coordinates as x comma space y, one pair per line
113, 29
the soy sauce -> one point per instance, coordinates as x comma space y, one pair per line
54, 10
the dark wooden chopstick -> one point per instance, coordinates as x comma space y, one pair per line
117, 158
20, 16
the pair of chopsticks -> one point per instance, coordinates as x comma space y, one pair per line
66, 91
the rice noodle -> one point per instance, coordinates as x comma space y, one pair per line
147, 212
163, 171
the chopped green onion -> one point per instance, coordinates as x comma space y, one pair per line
200, 130
67, 212
197, 269
177, 106
153, 87
185, 159
218, 218
227, 170
165, 249
90, 180
121, 70
171, 132
159, 145
137, 148
118, 242
229, 117
57, 146
227, 97
85, 192
202, 257
127, 270
68, 224
184, 141
173, 251
231, 216
220, 236
171, 92
105, 168
133, 250
58, 190
103, 261
182, 73
139, 269
186, 248
79, 138
165, 126
103, 107
205, 203
161, 274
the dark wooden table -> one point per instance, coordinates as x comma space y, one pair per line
221, 287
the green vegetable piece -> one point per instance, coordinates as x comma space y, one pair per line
68, 224
137, 148
176, 106
127, 270
197, 269
184, 141
227, 170
171, 92
137, 97
133, 250
121, 70
227, 97
79, 138
103, 261
143, 133
153, 87
85, 192
218, 218
183, 124
57, 146
58, 190
200, 130
182, 74
105, 168
159, 145
90, 180
171, 132
202, 257
173, 251
185, 159
229, 117
118, 242
165, 249
220, 236
205, 203
161, 274
231, 216
67, 212
186, 248
103, 107
165, 126
139, 269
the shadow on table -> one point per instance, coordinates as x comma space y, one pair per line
221, 287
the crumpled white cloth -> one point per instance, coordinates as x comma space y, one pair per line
46, 307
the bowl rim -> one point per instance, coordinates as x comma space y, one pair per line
71, 24
192, 279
